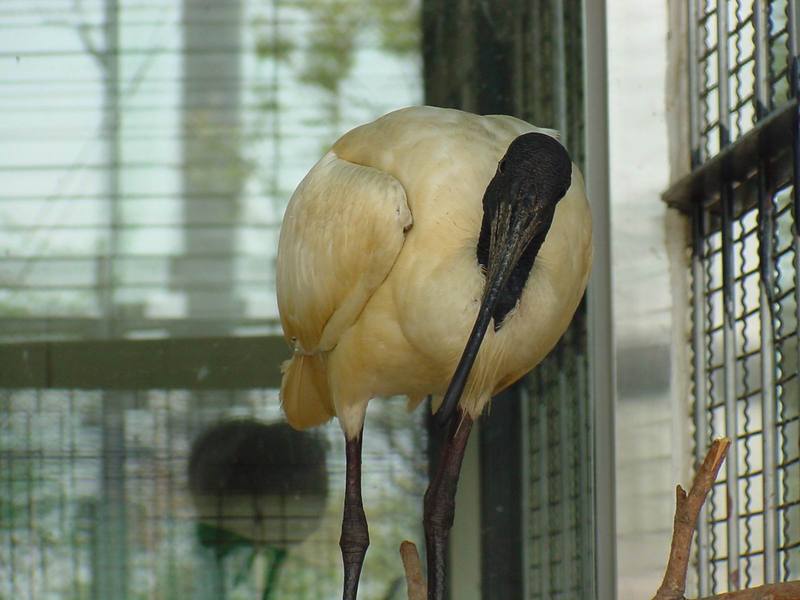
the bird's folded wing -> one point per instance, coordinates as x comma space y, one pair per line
341, 234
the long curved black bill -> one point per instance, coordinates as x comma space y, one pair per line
500, 269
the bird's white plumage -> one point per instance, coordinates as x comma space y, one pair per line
386, 311
340, 237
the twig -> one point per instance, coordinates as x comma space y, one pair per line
417, 588
687, 510
789, 590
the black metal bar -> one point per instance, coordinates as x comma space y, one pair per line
766, 224
501, 497
725, 189
795, 130
201, 363
771, 139
694, 85
700, 384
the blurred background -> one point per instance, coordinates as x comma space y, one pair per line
147, 153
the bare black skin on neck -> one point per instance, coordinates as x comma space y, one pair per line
536, 169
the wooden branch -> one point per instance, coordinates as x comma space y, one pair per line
687, 510
789, 590
417, 588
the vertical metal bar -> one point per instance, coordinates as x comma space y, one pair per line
525, 498
700, 391
10, 521
729, 315
564, 442
768, 406
600, 333
694, 85
792, 26
111, 576
729, 387
586, 469
497, 522
110, 62
765, 248
795, 93
723, 82
729, 354
71, 485
30, 508
559, 66
544, 470
698, 297
761, 67
42, 430
173, 571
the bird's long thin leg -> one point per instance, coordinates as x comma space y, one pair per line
355, 535
440, 503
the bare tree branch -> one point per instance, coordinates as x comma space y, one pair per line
687, 509
789, 590
86, 37
417, 588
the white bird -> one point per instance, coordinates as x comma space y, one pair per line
397, 250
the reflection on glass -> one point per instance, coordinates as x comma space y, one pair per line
148, 150
98, 499
257, 490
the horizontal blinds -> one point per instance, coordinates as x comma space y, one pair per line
148, 149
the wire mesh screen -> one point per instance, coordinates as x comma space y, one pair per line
747, 331
739, 66
559, 475
116, 495
559, 491
745, 290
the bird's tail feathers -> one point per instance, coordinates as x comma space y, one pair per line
305, 395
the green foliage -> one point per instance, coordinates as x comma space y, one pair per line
331, 46
337, 27
275, 47
398, 24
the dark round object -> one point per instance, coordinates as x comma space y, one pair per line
266, 483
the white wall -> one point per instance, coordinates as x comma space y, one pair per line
650, 332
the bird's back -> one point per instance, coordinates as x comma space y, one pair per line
404, 333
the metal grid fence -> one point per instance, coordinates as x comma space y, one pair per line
749, 43
559, 474
557, 449
97, 501
746, 260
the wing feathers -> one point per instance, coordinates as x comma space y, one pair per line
342, 232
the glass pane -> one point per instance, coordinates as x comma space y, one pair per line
148, 150
181, 494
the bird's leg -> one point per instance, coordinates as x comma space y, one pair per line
355, 535
440, 502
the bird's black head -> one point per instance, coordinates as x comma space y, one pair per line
536, 170
518, 208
